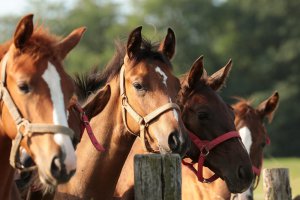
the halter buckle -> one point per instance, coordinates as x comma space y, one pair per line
23, 125
124, 100
204, 151
206, 181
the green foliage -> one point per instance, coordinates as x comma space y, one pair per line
262, 38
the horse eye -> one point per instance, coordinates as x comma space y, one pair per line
138, 86
202, 115
24, 88
263, 144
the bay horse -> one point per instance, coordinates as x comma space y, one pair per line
35, 90
250, 123
207, 115
143, 92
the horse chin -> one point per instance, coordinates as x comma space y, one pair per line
234, 188
163, 150
47, 181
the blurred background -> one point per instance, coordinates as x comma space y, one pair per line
262, 38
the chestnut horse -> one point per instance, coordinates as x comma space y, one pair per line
208, 116
143, 90
35, 90
249, 122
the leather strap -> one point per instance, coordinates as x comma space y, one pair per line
86, 126
205, 146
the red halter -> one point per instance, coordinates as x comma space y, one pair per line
85, 125
205, 146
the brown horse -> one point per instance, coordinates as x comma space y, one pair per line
204, 113
249, 122
35, 90
143, 90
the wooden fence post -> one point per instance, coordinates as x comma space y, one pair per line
277, 184
157, 177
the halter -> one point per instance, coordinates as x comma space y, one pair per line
85, 125
24, 127
205, 146
143, 122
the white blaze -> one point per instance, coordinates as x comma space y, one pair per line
52, 78
246, 138
164, 76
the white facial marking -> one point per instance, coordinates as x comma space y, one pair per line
246, 138
52, 78
245, 195
164, 76
175, 113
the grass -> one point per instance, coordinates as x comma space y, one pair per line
293, 164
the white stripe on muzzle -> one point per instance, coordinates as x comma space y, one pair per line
53, 80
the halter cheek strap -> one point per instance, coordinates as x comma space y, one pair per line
205, 146
142, 121
24, 127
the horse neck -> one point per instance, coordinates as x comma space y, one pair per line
6, 171
98, 172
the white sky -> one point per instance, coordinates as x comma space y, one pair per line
13, 7
20, 7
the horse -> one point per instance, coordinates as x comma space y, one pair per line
207, 115
34, 92
250, 123
141, 104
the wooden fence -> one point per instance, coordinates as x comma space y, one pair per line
158, 177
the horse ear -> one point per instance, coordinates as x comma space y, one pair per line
98, 103
218, 79
68, 43
195, 72
167, 46
23, 31
268, 107
134, 42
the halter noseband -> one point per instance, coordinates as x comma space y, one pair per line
24, 127
143, 122
205, 146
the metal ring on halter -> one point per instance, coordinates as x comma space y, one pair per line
24, 124
205, 152
124, 100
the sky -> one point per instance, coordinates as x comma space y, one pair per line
13, 7
20, 7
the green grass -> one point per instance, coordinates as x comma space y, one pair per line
293, 164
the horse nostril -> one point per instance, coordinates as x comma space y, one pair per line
173, 141
244, 174
56, 168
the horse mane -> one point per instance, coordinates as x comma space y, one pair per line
88, 83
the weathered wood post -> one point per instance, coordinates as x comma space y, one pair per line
157, 177
277, 184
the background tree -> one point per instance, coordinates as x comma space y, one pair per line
262, 37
